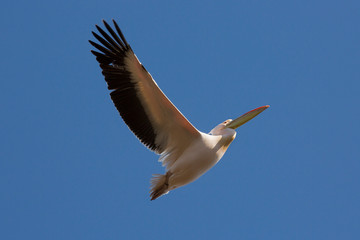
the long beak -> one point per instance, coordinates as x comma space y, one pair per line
246, 117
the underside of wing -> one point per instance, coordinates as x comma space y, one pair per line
146, 110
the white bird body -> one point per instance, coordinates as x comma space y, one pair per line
201, 155
185, 152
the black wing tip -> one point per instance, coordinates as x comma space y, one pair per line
98, 28
96, 35
92, 43
112, 48
97, 54
105, 23
109, 42
121, 34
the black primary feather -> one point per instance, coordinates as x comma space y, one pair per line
125, 95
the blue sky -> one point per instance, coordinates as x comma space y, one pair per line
70, 168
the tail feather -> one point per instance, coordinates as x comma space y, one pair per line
159, 185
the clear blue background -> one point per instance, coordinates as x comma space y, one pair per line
70, 168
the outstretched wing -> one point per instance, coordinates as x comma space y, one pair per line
146, 110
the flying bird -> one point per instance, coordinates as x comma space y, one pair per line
185, 152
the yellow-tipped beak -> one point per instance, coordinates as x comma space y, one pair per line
246, 117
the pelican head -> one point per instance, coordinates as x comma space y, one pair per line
222, 128
230, 125
227, 128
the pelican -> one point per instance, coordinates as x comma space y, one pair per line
185, 152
